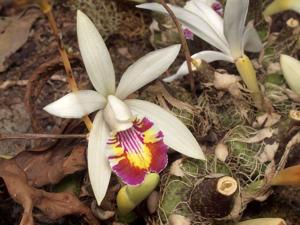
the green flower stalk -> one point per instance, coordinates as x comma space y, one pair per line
282, 5
131, 196
229, 35
248, 74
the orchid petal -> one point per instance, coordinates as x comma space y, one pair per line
251, 40
210, 16
76, 104
95, 56
98, 166
207, 56
176, 134
146, 69
208, 2
291, 72
193, 22
234, 22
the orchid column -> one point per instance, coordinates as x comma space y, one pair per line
228, 35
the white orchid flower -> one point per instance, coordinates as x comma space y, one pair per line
214, 4
291, 72
129, 136
229, 35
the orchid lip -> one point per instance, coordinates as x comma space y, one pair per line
137, 151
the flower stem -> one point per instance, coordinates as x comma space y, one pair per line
184, 45
130, 196
47, 10
5, 136
248, 74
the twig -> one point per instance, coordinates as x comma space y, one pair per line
9, 83
289, 147
184, 44
5, 136
47, 10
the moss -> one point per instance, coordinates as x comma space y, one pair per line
280, 100
192, 166
275, 78
230, 117
262, 34
174, 199
112, 17
255, 186
70, 184
242, 160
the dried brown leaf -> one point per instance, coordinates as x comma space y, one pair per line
176, 169
260, 135
160, 90
14, 34
228, 82
273, 68
292, 95
51, 166
176, 219
266, 120
153, 202
30, 169
221, 152
100, 213
268, 152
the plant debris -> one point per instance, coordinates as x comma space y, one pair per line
22, 175
14, 32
